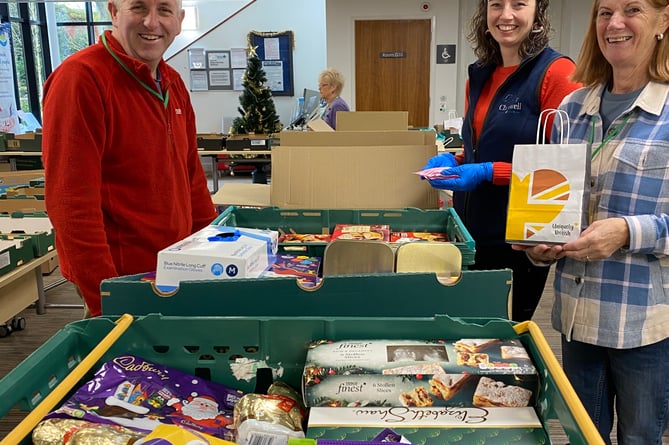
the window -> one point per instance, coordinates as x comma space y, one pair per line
79, 24
30, 49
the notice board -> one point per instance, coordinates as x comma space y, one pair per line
275, 50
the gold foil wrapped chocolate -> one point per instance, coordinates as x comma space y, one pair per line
80, 432
101, 434
52, 431
281, 406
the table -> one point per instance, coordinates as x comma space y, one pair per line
22, 287
250, 157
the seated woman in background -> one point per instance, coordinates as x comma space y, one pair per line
330, 84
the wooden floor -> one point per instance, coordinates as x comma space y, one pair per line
63, 306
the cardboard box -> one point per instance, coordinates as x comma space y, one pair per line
27, 204
210, 141
319, 125
372, 120
352, 170
464, 372
431, 426
379, 232
50, 265
215, 253
342, 138
20, 177
31, 141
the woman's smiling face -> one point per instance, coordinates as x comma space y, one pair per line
511, 21
626, 33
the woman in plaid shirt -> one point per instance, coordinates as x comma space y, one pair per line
612, 284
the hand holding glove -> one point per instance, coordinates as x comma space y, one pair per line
441, 160
466, 177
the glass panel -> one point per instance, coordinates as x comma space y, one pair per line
71, 39
100, 12
40, 72
70, 12
34, 11
99, 29
20, 69
14, 10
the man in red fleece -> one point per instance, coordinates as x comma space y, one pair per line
120, 152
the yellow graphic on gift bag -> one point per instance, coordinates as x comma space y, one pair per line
534, 201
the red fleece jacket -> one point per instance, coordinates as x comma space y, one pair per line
123, 173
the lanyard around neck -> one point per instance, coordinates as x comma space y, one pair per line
165, 99
609, 136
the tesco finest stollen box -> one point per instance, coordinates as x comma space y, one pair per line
464, 372
427, 426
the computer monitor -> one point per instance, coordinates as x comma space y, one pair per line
311, 101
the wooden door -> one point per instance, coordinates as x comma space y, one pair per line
392, 67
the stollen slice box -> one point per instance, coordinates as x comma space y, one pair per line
486, 372
427, 426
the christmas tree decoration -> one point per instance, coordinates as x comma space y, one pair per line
258, 113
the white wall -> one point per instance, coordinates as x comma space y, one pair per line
324, 36
306, 18
342, 14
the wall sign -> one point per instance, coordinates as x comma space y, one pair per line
393, 55
445, 54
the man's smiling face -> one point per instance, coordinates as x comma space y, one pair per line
146, 28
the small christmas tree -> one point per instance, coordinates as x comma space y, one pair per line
257, 106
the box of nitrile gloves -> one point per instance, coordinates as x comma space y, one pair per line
214, 253
427, 426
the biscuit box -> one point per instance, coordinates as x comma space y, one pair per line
411, 237
486, 372
214, 253
375, 232
296, 265
427, 426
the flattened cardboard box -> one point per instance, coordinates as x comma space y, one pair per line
372, 120
464, 372
20, 177
349, 175
343, 138
427, 426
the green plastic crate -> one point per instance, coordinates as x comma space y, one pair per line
207, 346
15, 255
35, 224
323, 221
478, 293
41, 243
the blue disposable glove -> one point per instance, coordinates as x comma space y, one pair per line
441, 160
466, 177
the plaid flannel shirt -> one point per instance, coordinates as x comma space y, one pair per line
622, 301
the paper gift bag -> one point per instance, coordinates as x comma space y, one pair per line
548, 198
